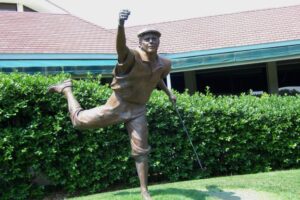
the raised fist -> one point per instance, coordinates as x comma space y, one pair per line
123, 15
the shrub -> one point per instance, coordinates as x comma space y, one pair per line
232, 135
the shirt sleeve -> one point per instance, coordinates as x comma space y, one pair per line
167, 69
124, 67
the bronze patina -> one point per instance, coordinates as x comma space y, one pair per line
138, 72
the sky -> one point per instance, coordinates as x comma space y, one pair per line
105, 12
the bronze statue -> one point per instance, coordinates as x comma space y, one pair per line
138, 72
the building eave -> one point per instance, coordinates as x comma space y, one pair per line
56, 56
55, 63
195, 60
233, 56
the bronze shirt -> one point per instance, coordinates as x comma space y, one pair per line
137, 84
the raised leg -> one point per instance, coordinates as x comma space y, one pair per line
65, 88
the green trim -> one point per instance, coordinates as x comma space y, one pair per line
56, 66
55, 63
195, 60
232, 49
78, 70
55, 56
235, 58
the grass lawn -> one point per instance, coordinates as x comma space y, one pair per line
280, 185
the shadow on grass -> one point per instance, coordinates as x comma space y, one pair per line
193, 194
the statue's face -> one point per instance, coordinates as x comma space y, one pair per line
149, 43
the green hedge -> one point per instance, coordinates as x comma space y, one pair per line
232, 135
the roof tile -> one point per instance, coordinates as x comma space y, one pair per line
63, 33
52, 33
228, 30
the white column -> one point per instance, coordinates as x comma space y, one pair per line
272, 77
20, 7
169, 85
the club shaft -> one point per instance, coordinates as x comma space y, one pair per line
189, 137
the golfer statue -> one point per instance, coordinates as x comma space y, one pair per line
138, 72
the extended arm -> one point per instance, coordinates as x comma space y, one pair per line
164, 88
125, 56
121, 47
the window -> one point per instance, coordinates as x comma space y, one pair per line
288, 73
233, 80
8, 7
177, 81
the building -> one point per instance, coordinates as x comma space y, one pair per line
232, 53
49, 40
44, 6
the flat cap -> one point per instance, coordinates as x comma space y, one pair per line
148, 30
